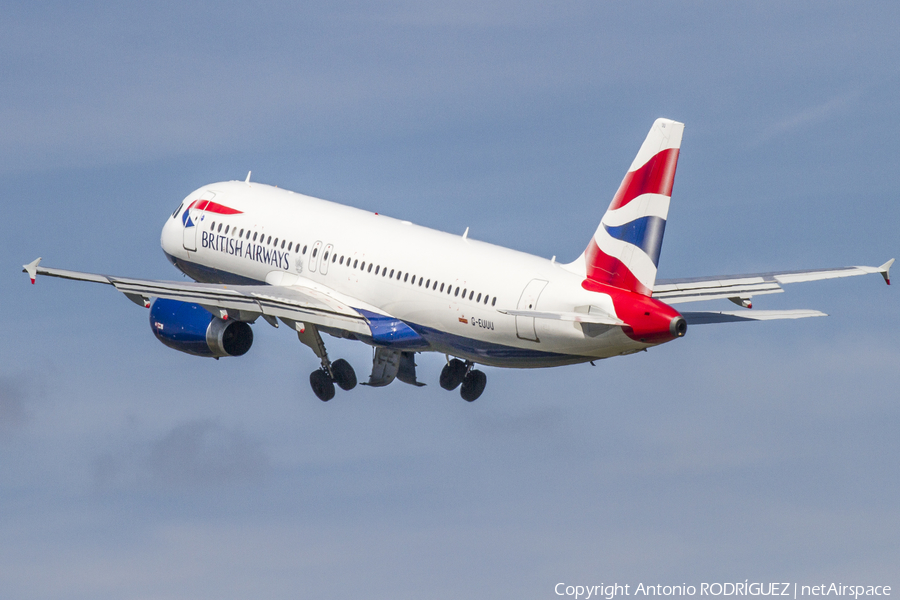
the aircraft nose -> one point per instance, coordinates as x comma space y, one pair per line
170, 238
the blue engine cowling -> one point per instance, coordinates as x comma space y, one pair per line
193, 329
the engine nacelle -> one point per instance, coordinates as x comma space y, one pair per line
193, 329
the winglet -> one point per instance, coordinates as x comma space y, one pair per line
31, 269
248, 177
884, 269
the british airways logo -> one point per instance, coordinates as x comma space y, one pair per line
206, 206
229, 245
250, 251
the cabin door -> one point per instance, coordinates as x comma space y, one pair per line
528, 301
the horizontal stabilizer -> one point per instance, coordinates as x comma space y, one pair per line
703, 318
674, 291
574, 317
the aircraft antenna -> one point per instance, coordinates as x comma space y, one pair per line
248, 177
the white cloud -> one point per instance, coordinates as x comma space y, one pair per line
811, 116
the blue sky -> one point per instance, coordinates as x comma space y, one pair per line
764, 451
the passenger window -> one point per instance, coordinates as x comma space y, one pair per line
325, 257
254, 236
304, 250
355, 262
241, 234
428, 283
494, 301
435, 286
276, 241
282, 244
333, 258
457, 291
471, 294
376, 269
219, 230
270, 240
478, 299
370, 268
212, 226
420, 281
406, 278
226, 229
399, 273
392, 273
442, 286
340, 262
362, 266
289, 246
485, 298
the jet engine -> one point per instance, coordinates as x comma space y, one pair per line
192, 329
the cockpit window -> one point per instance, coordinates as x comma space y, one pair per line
178, 210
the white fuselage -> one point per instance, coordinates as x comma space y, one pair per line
447, 287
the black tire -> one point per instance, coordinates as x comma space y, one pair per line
344, 375
453, 374
322, 385
473, 385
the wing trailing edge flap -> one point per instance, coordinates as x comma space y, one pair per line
743, 287
296, 303
704, 318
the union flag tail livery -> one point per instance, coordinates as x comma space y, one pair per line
263, 254
624, 251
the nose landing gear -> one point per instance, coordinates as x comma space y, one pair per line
457, 372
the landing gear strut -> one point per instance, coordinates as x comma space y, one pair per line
322, 380
457, 372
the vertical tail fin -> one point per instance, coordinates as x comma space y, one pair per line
624, 251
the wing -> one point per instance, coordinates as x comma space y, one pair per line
740, 288
302, 301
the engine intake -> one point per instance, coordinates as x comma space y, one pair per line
190, 328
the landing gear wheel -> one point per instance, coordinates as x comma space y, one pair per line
473, 385
453, 374
344, 375
322, 385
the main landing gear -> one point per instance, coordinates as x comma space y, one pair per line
387, 365
322, 383
457, 372
338, 372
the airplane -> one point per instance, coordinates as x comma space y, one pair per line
257, 251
